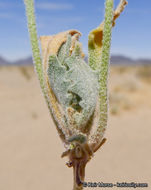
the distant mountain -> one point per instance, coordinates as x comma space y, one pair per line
123, 60
119, 59
26, 61
115, 59
3, 61
144, 61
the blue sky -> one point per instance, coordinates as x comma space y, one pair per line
131, 35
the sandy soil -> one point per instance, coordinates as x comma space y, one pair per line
30, 148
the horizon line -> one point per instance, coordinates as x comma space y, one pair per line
114, 54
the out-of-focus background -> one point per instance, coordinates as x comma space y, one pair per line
30, 148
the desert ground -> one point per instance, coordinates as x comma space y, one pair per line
30, 148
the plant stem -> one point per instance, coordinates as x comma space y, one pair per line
49, 97
34, 41
103, 76
78, 171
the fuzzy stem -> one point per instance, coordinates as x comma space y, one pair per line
29, 4
98, 44
103, 76
30, 13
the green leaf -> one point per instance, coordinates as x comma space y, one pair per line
74, 83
